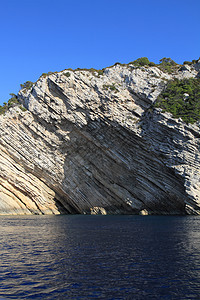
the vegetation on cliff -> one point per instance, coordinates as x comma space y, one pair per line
27, 85
167, 65
142, 61
182, 99
11, 102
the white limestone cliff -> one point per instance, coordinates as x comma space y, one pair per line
90, 143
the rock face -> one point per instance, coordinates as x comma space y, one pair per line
90, 143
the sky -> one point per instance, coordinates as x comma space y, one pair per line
39, 36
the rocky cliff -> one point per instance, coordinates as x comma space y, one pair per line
90, 142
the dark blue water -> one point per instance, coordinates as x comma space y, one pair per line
99, 257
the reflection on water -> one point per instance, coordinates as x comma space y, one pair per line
99, 257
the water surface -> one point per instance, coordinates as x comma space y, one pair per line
99, 257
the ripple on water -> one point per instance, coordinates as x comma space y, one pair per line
99, 257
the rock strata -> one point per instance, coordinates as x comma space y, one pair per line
91, 143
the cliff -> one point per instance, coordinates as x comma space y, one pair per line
90, 142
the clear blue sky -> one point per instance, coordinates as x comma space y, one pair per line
38, 36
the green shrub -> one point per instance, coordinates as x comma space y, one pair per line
174, 99
167, 65
3, 109
47, 74
120, 64
44, 75
100, 72
152, 64
142, 61
167, 61
67, 74
194, 61
187, 63
110, 87
22, 108
27, 85
13, 101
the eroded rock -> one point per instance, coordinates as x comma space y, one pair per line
91, 143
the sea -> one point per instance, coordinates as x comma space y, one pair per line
99, 257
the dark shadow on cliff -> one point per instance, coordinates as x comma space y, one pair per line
109, 166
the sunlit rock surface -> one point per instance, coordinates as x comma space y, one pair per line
92, 144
